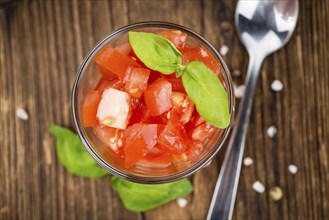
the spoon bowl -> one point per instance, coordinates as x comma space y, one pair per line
264, 26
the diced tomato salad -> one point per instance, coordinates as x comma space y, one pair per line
143, 116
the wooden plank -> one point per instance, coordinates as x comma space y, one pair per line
61, 37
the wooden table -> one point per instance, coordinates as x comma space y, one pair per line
42, 44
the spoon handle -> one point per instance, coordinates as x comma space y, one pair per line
223, 199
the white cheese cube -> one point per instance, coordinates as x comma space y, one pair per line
114, 108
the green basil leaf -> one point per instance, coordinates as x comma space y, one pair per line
142, 197
73, 155
156, 52
208, 94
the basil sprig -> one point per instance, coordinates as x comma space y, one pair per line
208, 93
142, 197
156, 52
73, 155
200, 83
136, 197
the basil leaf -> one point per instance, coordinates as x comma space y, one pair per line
156, 52
73, 155
142, 197
208, 94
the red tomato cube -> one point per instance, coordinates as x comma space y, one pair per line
114, 61
89, 109
195, 148
112, 137
136, 81
107, 73
157, 97
154, 75
177, 37
125, 48
174, 138
183, 106
140, 114
176, 83
197, 119
202, 131
105, 83
156, 158
140, 139
202, 55
190, 54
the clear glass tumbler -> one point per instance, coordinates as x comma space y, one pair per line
88, 76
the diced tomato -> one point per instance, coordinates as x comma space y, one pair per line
177, 37
160, 161
136, 81
195, 147
197, 119
202, 131
209, 60
154, 75
140, 139
105, 83
143, 116
114, 61
134, 57
135, 103
112, 137
176, 83
106, 73
183, 106
156, 158
125, 48
140, 114
157, 97
202, 55
173, 138
89, 109
160, 130
190, 54
189, 127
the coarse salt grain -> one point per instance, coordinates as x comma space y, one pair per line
276, 85
276, 193
239, 91
258, 187
292, 169
22, 114
247, 161
271, 131
223, 50
181, 202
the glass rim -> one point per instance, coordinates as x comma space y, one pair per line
150, 179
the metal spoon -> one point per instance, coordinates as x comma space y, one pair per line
264, 26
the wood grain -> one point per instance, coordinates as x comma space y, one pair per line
42, 44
